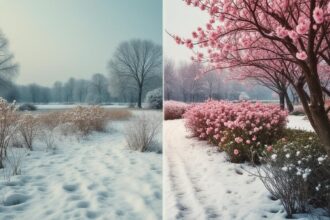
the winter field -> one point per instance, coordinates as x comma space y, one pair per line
202, 184
84, 177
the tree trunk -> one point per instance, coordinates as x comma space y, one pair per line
140, 98
316, 108
282, 100
288, 101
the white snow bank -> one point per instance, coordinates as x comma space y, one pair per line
91, 178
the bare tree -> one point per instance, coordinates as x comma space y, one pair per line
137, 61
57, 91
169, 79
68, 90
189, 82
98, 89
210, 84
8, 69
80, 90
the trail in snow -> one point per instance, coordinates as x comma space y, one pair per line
97, 178
201, 184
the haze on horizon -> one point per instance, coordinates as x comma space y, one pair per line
55, 40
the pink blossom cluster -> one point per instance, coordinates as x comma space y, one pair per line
174, 109
236, 127
228, 38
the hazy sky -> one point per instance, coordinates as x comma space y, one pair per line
54, 40
180, 19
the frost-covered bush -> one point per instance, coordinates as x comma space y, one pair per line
81, 119
28, 127
237, 128
296, 170
154, 98
49, 125
50, 120
141, 131
48, 137
174, 109
14, 161
86, 119
8, 126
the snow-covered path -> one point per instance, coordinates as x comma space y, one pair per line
97, 178
201, 184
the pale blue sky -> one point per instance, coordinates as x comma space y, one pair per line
56, 39
181, 20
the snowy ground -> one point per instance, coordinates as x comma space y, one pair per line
200, 184
92, 178
299, 122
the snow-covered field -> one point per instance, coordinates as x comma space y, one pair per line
91, 178
201, 184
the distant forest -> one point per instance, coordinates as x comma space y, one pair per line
94, 91
134, 70
183, 82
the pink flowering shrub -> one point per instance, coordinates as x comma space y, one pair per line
237, 128
174, 109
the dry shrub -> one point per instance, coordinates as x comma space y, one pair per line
48, 123
16, 141
14, 161
65, 129
141, 132
81, 119
50, 120
8, 119
86, 119
118, 114
48, 138
28, 128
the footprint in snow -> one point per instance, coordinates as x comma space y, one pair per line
15, 199
92, 214
119, 213
92, 186
153, 167
70, 187
83, 204
211, 213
